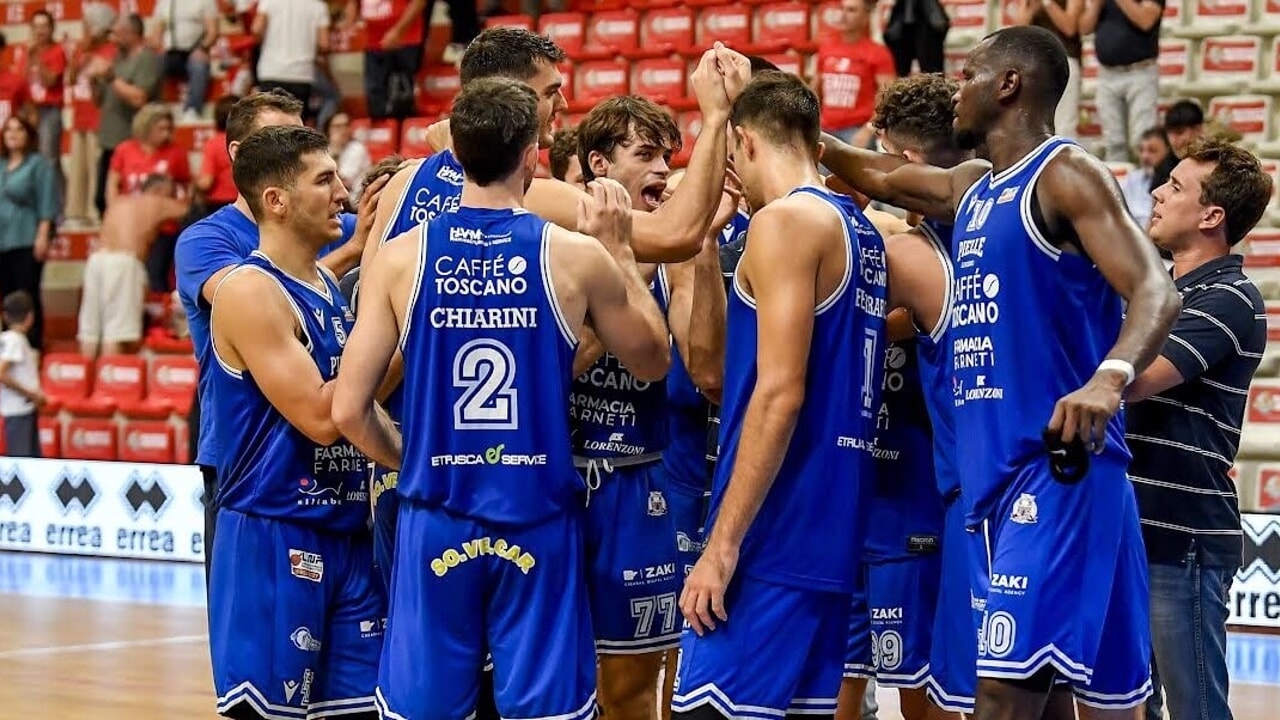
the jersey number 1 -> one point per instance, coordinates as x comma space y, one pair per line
485, 370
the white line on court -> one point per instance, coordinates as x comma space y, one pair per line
118, 645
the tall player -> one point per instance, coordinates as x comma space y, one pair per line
1045, 251
768, 600
619, 426
295, 613
488, 546
902, 642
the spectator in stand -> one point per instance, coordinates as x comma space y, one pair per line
122, 87
851, 70
186, 30
1183, 422
1183, 124
1062, 18
28, 206
46, 67
1127, 38
351, 155
20, 395
1153, 150
917, 32
396, 33
14, 99
214, 180
151, 151
464, 25
82, 180
563, 157
292, 33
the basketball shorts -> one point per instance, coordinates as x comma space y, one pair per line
115, 291
1051, 546
688, 506
386, 506
462, 587
296, 618
633, 573
953, 657
779, 652
859, 661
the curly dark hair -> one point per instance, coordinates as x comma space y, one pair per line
918, 111
564, 148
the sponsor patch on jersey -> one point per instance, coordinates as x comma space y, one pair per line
657, 503
922, 544
306, 565
1025, 510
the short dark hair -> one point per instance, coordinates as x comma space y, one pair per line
781, 107
1237, 184
17, 305
564, 147
242, 120
919, 110
759, 65
222, 111
1183, 114
136, 23
610, 123
388, 166
494, 120
1038, 55
507, 52
1155, 133
155, 180
273, 157
33, 140
46, 15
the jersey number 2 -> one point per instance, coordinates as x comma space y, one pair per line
485, 370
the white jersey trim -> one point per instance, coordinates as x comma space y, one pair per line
325, 293
711, 695
845, 279
1014, 169
949, 703
949, 274
1024, 204
419, 276
246, 692
395, 214
350, 706
549, 286
236, 373
1115, 701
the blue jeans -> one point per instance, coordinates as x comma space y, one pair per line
1189, 639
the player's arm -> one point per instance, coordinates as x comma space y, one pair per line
696, 315
1078, 191
367, 357
385, 212
590, 349
255, 327
782, 275
627, 319
917, 283
202, 258
931, 191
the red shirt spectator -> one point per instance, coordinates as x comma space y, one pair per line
215, 162
13, 94
53, 60
85, 115
851, 69
381, 15
132, 163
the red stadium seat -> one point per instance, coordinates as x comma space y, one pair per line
146, 441
192, 138
668, 31
381, 137
1268, 21
1262, 248
413, 137
50, 437
1175, 63
599, 79
165, 344
787, 62
690, 124
1249, 115
90, 439
1209, 18
567, 29
1226, 65
120, 377
968, 19
615, 33
439, 84
523, 22
66, 376
662, 81
730, 24
182, 444
173, 380
784, 26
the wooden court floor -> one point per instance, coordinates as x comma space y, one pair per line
84, 639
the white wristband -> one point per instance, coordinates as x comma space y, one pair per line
1120, 366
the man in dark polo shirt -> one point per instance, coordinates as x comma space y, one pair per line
1127, 40
1185, 432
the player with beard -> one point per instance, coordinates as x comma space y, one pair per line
620, 427
1045, 255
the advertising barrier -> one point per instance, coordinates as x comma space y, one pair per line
81, 507
1255, 595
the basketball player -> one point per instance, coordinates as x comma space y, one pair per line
210, 248
897, 642
1045, 252
486, 304
619, 427
768, 601
295, 612
563, 157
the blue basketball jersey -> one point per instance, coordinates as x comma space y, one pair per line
436, 188
736, 229
488, 357
1031, 323
810, 529
611, 413
687, 408
269, 468
933, 359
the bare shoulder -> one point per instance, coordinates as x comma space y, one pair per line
400, 251
788, 219
886, 223
964, 175
575, 248
247, 292
1075, 181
